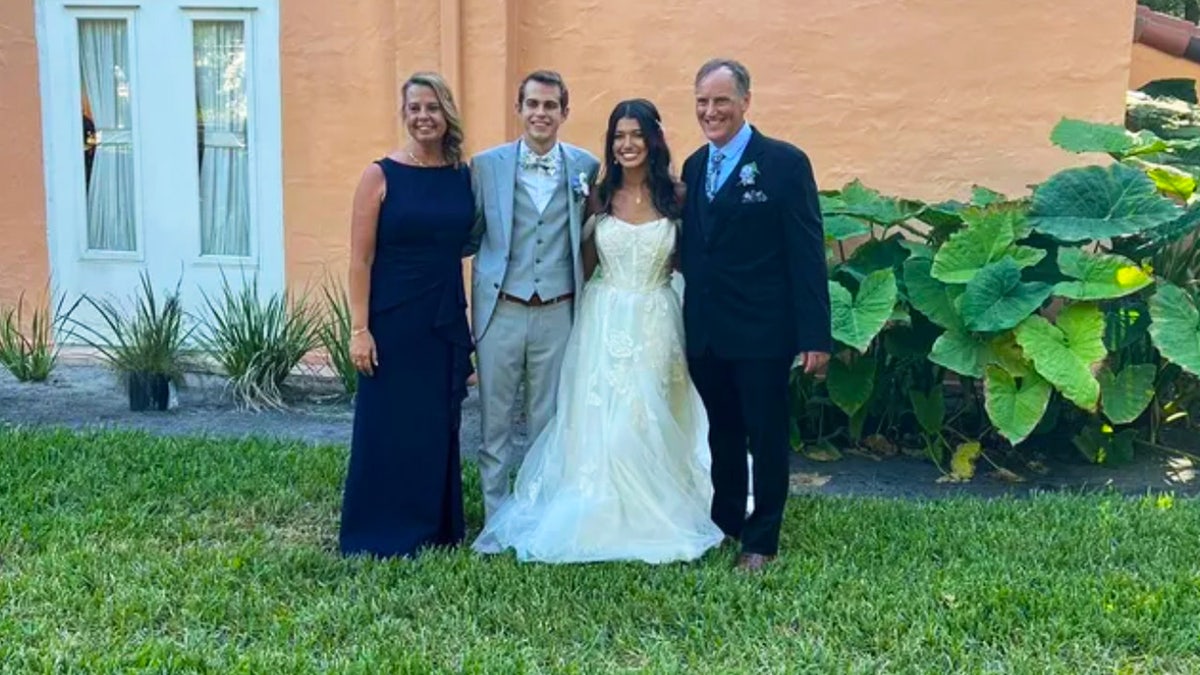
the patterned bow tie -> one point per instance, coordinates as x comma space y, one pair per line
547, 164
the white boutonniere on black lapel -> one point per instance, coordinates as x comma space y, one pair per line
748, 178
747, 175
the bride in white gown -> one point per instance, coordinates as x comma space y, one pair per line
622, 472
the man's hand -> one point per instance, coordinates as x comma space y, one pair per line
813, 362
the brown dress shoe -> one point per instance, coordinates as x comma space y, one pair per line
753, 562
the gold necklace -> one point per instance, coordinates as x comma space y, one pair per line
415, 158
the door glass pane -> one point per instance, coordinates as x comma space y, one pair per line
107, 134
222, 116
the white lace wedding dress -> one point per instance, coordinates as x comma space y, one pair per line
622, 473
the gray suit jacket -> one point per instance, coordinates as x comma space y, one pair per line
494, 177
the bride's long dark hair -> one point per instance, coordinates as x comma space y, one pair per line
658, 159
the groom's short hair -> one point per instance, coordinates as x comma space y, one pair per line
741, 76
549, 78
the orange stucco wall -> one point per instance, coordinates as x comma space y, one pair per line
24, 263
921, 98
1150, 64
338, 71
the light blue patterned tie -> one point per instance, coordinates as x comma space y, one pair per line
714, 170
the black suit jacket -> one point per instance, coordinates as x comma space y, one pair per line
753, 259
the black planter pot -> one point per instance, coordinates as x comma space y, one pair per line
149, 391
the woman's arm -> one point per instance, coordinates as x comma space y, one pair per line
363, 224
591, 259
480, 225
681, 202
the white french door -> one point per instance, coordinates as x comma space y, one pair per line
162, 143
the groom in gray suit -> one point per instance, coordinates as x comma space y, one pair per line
529, 205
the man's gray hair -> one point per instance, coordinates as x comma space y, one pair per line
741, 76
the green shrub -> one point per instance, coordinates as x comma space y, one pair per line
334, 334
257, 343
28, 347
1069, 311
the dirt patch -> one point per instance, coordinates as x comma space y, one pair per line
85, 397
88, 397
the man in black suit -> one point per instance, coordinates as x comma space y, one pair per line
756, 301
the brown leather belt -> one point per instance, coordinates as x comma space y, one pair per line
535, 301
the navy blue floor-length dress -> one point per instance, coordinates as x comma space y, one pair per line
404, 485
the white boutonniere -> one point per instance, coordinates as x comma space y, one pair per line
747, 175
580, 186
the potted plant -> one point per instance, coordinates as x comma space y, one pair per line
144, 346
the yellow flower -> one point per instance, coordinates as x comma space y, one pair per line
1130, 276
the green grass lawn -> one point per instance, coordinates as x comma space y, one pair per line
125, 553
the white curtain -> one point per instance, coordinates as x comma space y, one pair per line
104, 62
220, 56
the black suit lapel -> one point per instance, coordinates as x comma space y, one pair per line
730, 189
715, 215
696, 194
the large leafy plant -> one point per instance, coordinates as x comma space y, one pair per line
1002, 318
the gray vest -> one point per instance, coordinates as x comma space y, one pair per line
540, 261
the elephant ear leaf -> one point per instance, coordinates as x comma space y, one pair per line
962, 462
1125, 395
996, 299
1069, 353
858, 319
929, 409
929, 296
1026, 256
982, 196
961, 352
851, 385
1172, 181
1082, 136
1015, 407
840, 227
1093, 202
1098, 277
1175, 327
862, 202
987, 237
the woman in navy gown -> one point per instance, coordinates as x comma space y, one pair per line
413, 210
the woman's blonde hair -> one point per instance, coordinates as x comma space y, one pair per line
452, 142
